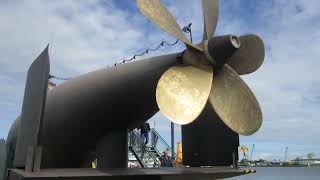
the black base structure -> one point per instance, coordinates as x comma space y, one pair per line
112, 150
209, 142
123, 174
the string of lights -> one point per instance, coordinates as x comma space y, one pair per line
58, 78
147, 51
126, 60
186, 29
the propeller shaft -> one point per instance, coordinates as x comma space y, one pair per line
221, 48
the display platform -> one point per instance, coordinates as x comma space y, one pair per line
184, 173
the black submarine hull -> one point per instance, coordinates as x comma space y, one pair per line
79, 112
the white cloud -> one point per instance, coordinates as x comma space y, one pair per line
84, 36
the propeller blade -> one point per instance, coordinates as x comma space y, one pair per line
159, 15
234, 102
183, 91
249, 57
210, 10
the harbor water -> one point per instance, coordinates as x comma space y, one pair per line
282, 173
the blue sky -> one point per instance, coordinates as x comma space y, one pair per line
88, 35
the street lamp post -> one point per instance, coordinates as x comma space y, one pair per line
285, 156
251, 152
172, 139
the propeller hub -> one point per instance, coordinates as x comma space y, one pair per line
235, 41
221, 48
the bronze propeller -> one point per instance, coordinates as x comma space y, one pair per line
210, 71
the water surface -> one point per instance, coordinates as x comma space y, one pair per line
282, 173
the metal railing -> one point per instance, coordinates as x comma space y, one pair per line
160, 144
141, 151
148, 155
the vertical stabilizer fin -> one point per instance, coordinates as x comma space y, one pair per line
33, 107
